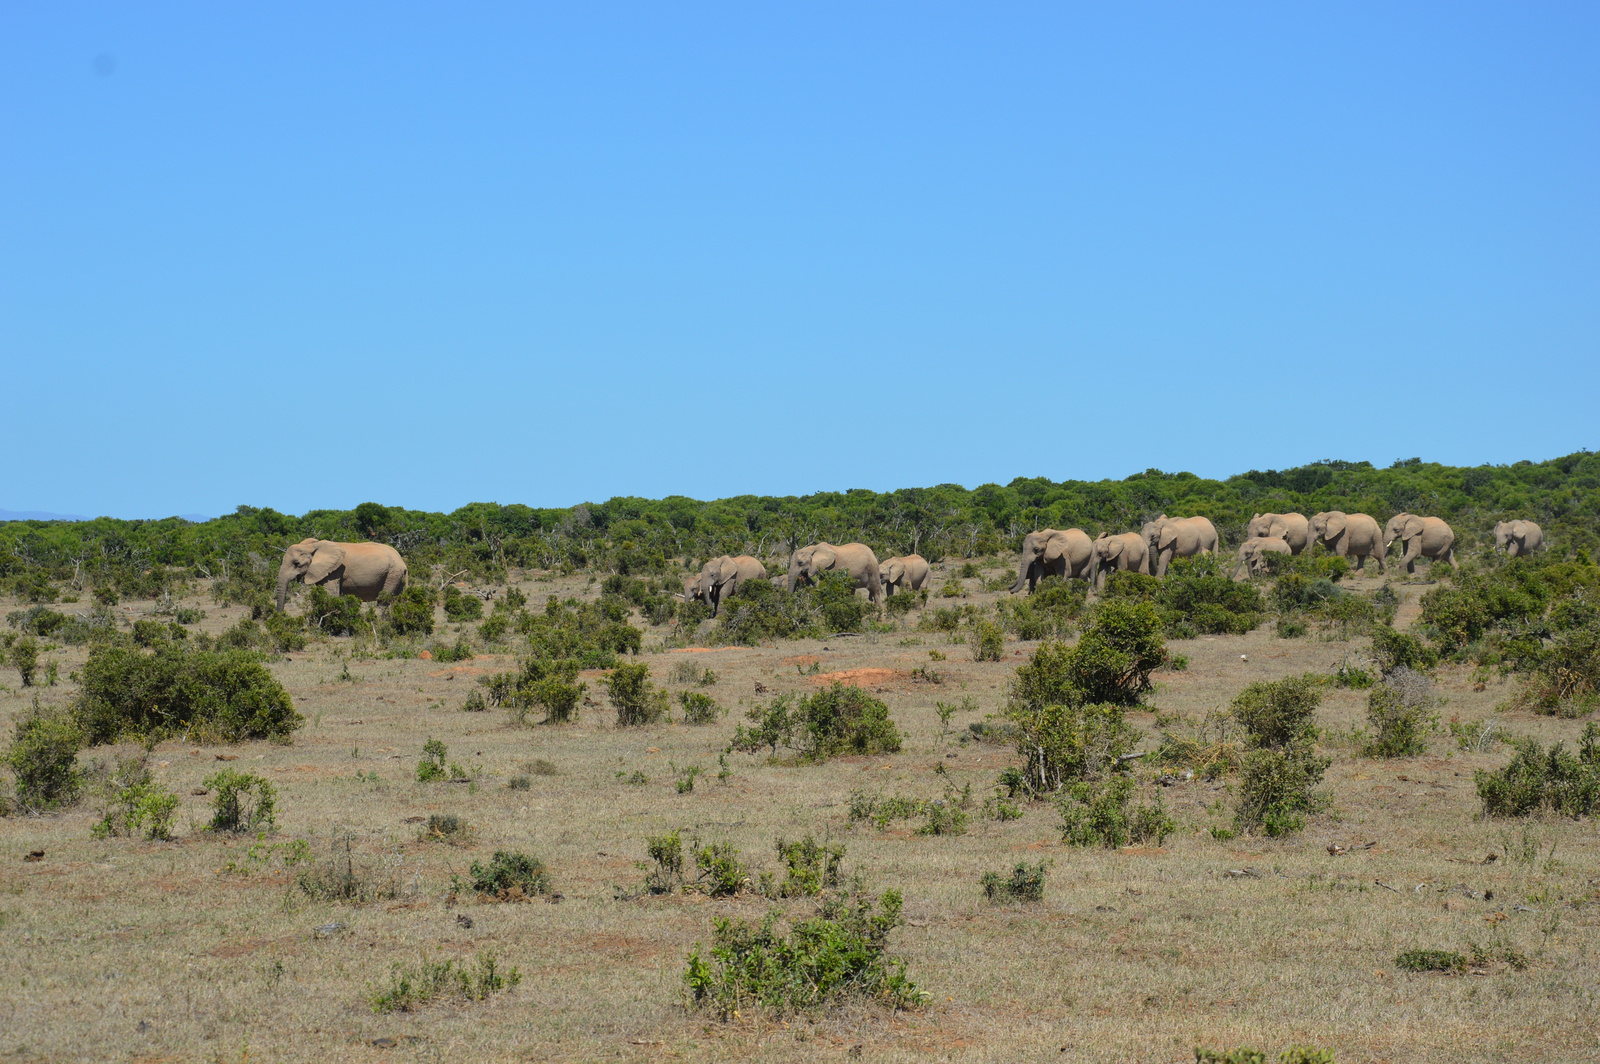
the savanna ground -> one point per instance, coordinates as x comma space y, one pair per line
147, 951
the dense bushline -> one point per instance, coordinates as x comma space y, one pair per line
630, 535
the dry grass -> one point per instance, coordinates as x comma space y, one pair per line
146, 951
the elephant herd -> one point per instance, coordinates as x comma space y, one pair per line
370, 571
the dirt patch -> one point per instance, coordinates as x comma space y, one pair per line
861, 677
801, 659
458, 670
695, 650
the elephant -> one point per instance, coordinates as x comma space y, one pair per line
1177, 537
910, 571
1421, 537
721, 577
1127, 553
1293, 529
1348, 535
1068, 554
1252, 560
366, 570
1517, 538
857, 559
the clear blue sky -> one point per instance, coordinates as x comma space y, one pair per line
300, 255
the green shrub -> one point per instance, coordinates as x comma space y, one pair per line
636, 699
949, 620
411, 613
834, 721
1246, 1055
333, 614
135, 805
1393, 649
348, 875
1198, 595
1431, 960
1288, 629
207, 696
1537, 780
447, 827
43, 757
1026, 883
718, 870
460, 606
25, 657
809, 867
1400, 711
842, 609
495, 628
461, 650
758, 612
699, 708
666, 853
1281, 770
474, 702
243, 802
411, 988
903, 603
431, 765
1279, 714
510, 876
188, 615
840, 955
943, 818
1048, 613
1095, 813
988, 641
590, 633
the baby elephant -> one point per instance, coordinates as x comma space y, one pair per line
1517, 538
908, 572
1253, 552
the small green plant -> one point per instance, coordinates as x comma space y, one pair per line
809, 867
953, 589
412, 611
474, 702
988, 641
1431, 960
1025, 883
1539, 779
431, 766
25, 657
43, 757
1392, 649
1400, 711
135, 805
839, 955
242, 802
1096, 814
447, 827
835, 721
413, 987
348, 875
686, 777
699, 708
519, 783
718, 871
459, 606
460, 650
510, 875
636, 699
1246, 1055
541, 767
666, 855
1281, 769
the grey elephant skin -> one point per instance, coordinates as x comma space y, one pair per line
1068, 554
1167, 538
857, 559
1421, 537
368, 571
1128, 553
1349, 536
909, 572
1293, 529
1518, 538
1253, 552
721, 577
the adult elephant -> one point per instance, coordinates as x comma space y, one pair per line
1293, 529
366, 570
1253, 552
1167, 538
1349, 536
1517, 538
910, 572
1421, 537
1068, 554
857, 559
722, 576
1128, 553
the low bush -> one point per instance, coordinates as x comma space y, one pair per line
636, 699
460, 650
839, 955
510, 876
1025, 883
448, 828
135, 806
665, 873
24, 656
1246, 1055
699, 708
1539, 779
1197, 596
432, 765
460, 606
758, 612
1279, 714
988, 641
1049, 613
1096, 813
1431, 960
718, 872
1393, 649
834, 721
1281, 769
809, 867
204, 695
333, 614
411, 613
242, 802
43, 758
349, 875
841, 608
411, 988
1400, 712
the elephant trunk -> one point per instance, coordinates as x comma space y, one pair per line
285, 574
1022, 576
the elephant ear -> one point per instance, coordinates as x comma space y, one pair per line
327, 558
897, 572
823, 558
1055, 548
1336, 525
1412, 526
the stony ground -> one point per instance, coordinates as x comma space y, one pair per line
137, 951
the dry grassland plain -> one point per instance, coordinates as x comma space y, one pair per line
148, 951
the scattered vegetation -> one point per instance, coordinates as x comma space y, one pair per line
1431, 960
134, 805
1025, 883
1401, 714
411, 988
1196, 596
1096, 813
699, 708
510, 875
1539, 779
836, 720
242, 803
